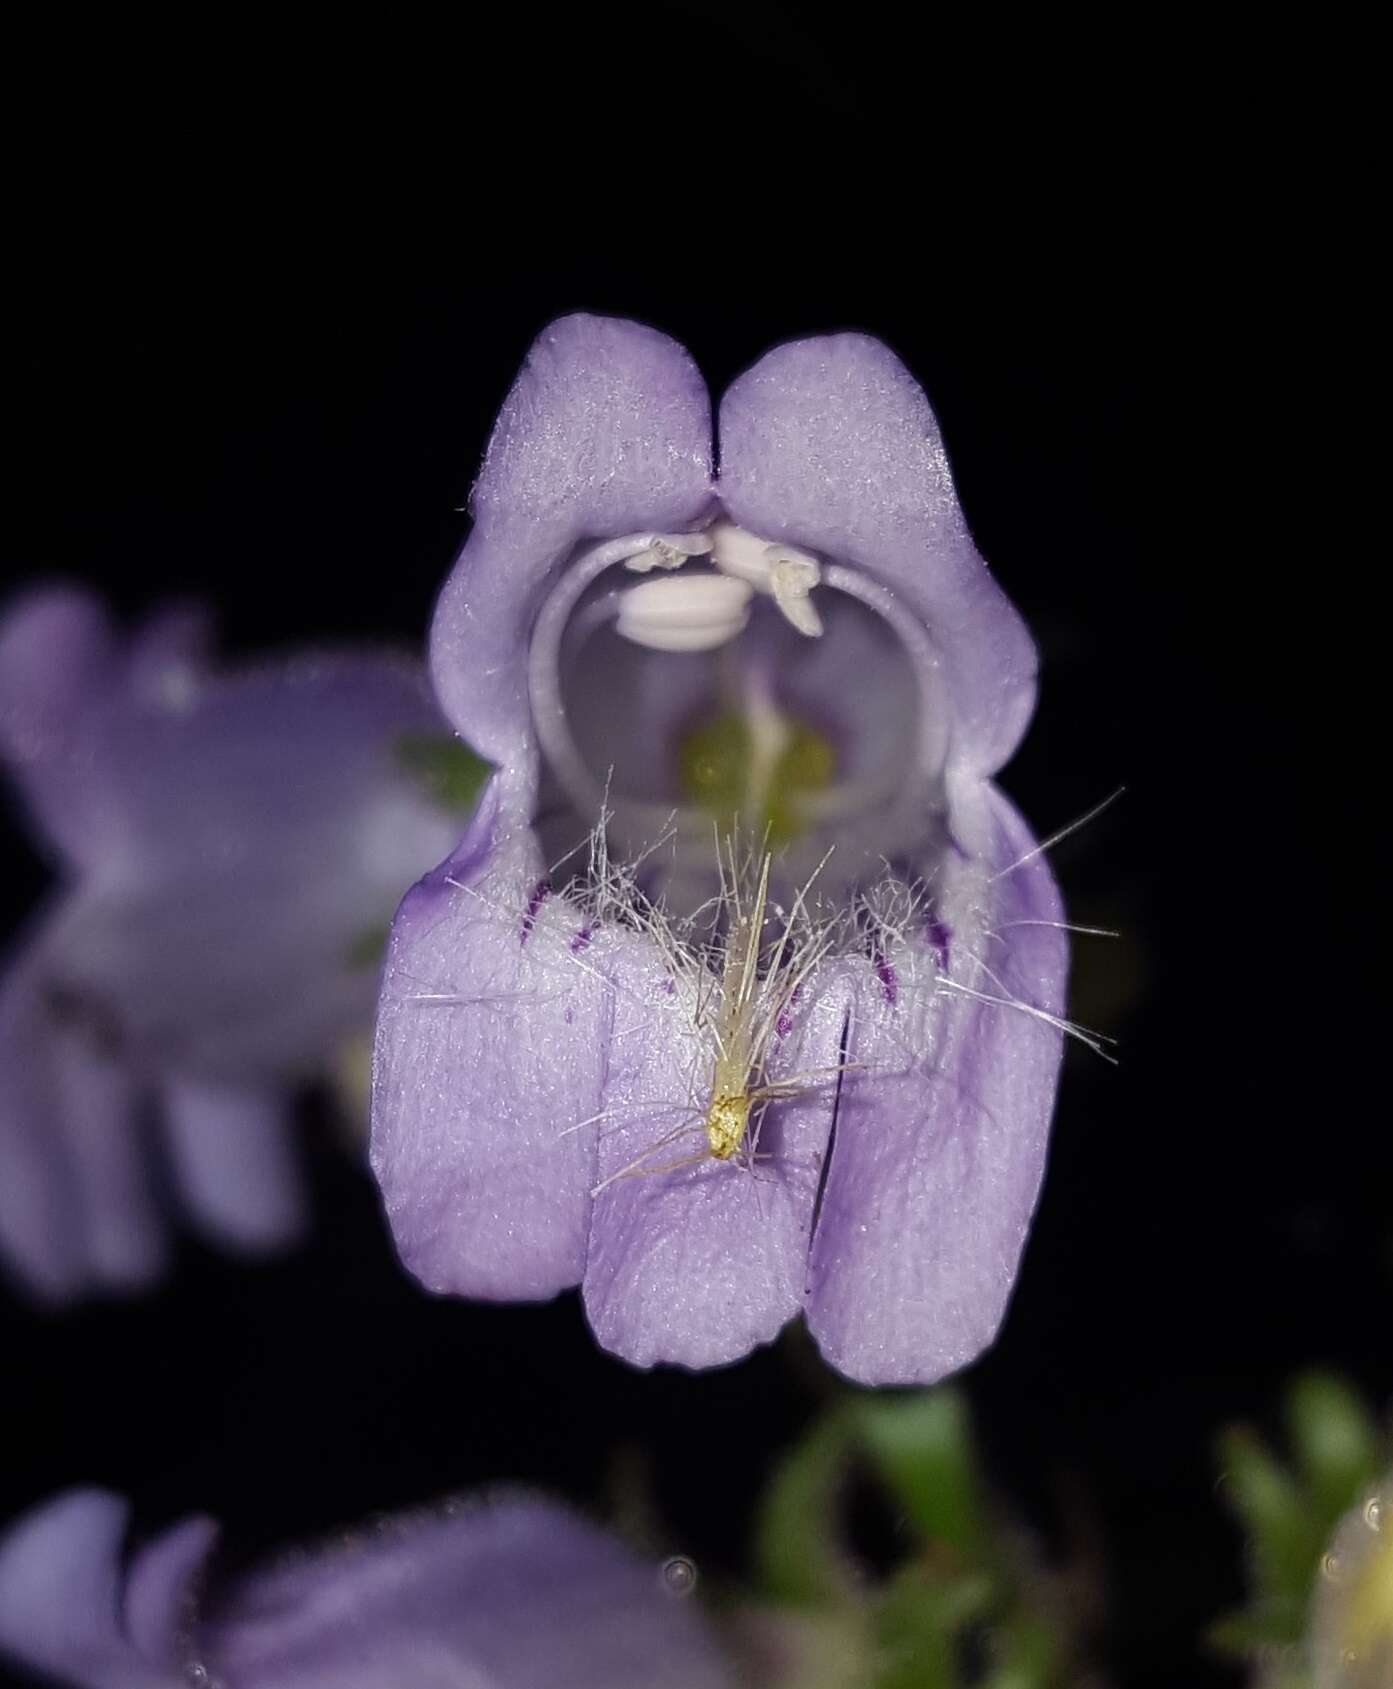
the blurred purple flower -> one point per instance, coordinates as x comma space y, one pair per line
513, 1594
230, 845
533, 1042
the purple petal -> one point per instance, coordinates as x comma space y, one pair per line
240, 842
161, 1587
96, 1102
253, 837
518, 1595
40, 1235
491, 1040
61, 1597
700, 1264
171, 655
57, 663
830, 443
235, 1163
76, 1209
606, 431
941, 1137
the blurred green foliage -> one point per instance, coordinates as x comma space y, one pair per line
963, 1607
1289, 1509
448, 772
368, 945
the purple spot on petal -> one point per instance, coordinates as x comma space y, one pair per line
784, 1025
568, 1017
885, 973
582, 938
534, 903
940, 936
670, 987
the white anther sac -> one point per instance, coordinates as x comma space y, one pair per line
785, 573
695, 612
736, 551
792, 579
668, 551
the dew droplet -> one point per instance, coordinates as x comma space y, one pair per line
680, 1575
1373, 1513
1332, 1567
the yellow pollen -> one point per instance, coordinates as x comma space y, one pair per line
726, 1120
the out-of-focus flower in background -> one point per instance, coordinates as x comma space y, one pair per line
809, 646
513, 1593
229, 844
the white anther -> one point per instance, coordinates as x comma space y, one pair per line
785, 573
687, 613
668, 551
736, 551
793, 578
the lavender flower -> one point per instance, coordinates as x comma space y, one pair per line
230, 846
518, 1594
577, 1079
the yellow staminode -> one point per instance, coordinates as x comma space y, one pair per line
738, 1007
726, 1123
740, 1044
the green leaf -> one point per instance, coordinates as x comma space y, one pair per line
797, 1540
1289, 1514
917, 1622
1285, 1540
1336, 1444
921, 1445
449, 773
1028, 1655
1242, 1635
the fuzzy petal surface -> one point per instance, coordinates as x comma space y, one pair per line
830, 443
491, 1040
942, 1131
606, 431
700, 1264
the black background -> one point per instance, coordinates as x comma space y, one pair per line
270, 309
